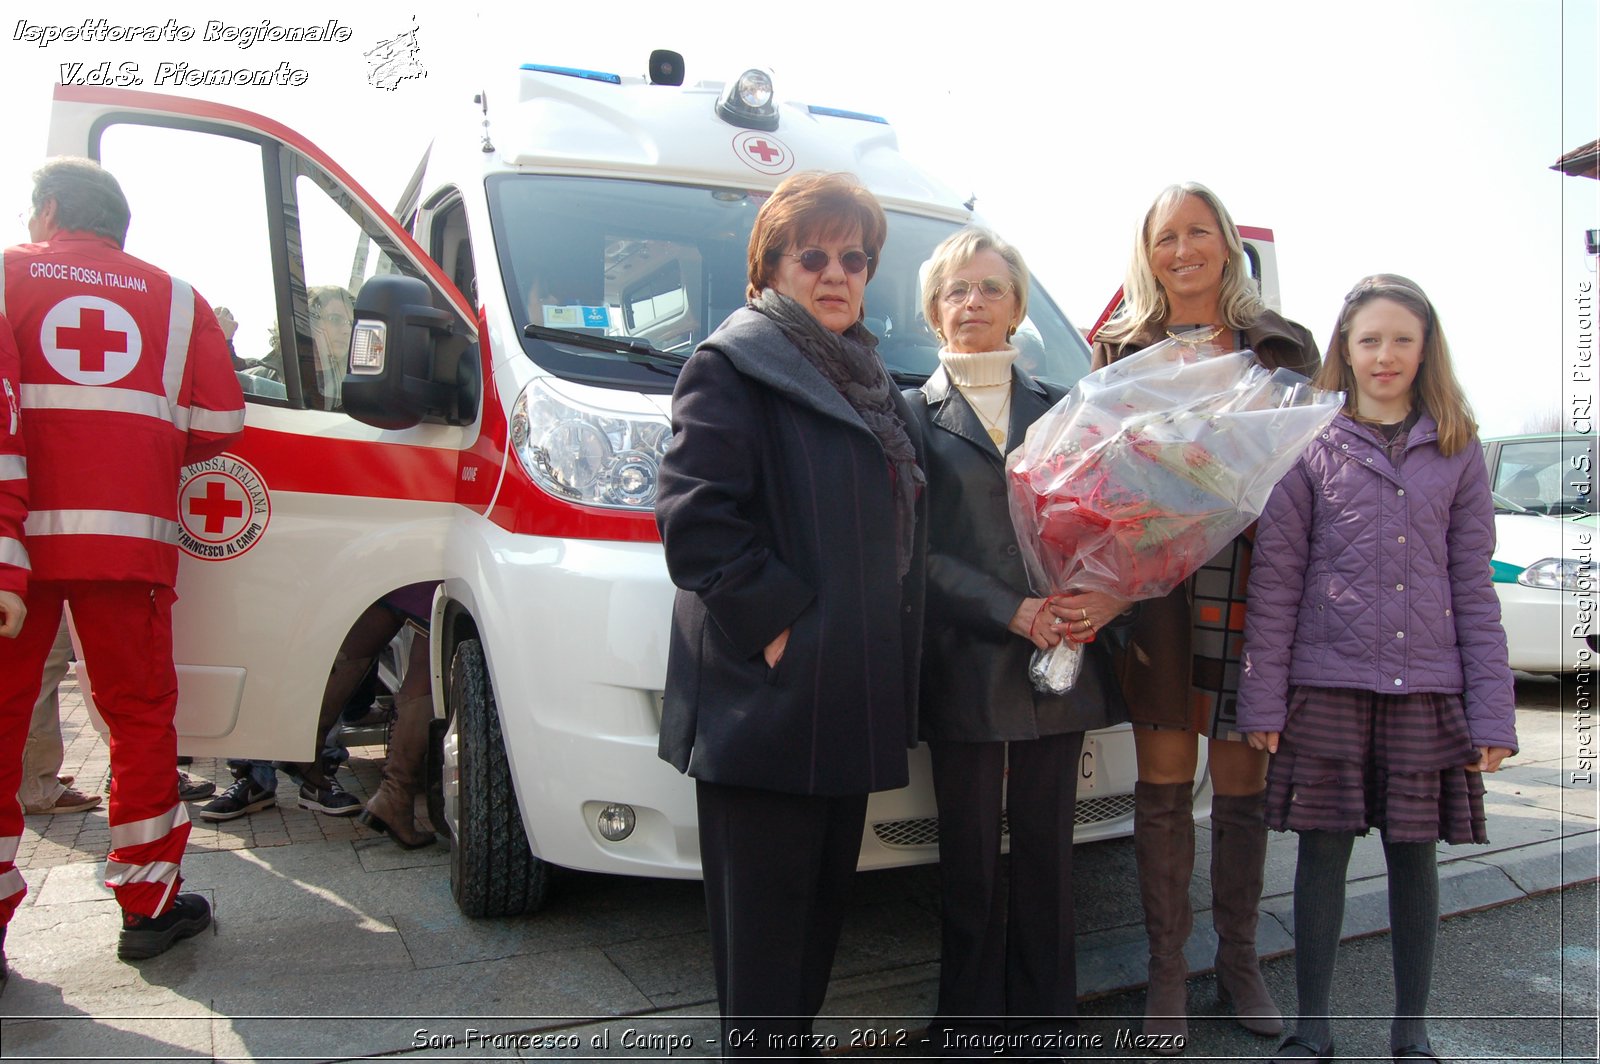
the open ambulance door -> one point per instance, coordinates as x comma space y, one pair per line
311, 516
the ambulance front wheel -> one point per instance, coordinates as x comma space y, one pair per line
493, 872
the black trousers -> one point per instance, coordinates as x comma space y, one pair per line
1008, 960
778, 869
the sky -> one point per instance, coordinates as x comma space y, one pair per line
1406, 136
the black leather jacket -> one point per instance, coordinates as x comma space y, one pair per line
975, 685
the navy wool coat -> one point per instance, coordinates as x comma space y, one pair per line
775, 511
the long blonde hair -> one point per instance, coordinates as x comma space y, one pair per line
1144, 301
1435, 388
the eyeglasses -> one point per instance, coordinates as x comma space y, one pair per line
993, 289
815, 260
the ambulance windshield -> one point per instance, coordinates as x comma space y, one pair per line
665, 264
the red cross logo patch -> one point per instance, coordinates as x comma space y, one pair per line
763, 152
90, 340
223, 508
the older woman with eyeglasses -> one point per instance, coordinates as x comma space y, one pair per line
791, 511
1008, 966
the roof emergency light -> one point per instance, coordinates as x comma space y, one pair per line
747, 102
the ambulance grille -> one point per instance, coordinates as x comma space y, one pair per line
924, 831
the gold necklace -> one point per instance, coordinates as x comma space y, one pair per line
996, 433
1193, 342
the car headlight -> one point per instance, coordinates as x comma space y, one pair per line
585, 454
1562, 574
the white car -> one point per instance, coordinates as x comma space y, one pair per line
1544, 573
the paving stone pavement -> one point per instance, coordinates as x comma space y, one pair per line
330, 943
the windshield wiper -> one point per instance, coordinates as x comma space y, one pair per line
632, 347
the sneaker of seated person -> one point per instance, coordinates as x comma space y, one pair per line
192, 790
330, 798
151, 936
242, 799
70, 800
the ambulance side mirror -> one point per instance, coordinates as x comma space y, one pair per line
407, 359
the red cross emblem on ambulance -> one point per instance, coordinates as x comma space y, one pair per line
763, 152
223, 508
90, 340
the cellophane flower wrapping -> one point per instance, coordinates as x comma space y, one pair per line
1148, 468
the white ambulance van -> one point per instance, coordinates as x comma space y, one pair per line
498, 431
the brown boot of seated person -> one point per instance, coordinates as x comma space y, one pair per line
392, 810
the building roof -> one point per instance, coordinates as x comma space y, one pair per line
1581, 162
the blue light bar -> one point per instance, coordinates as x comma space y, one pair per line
834, 112
574, 72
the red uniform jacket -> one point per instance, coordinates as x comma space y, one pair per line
126, 378
13, 469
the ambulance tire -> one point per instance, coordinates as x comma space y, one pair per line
493, 872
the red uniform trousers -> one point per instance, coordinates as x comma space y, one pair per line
125, 628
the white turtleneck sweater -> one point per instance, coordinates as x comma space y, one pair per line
984, 380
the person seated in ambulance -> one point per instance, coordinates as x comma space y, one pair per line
333, 313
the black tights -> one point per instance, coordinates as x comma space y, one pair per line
1319, 888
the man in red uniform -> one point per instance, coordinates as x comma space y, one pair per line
125, 379
13, 580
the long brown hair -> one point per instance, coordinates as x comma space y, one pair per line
1435, 388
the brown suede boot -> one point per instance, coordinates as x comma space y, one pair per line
392, 810
1163, 844
1238, 861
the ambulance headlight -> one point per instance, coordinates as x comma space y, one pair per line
367, 345
585, 454
747, 102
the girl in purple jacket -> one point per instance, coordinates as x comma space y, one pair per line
1375, 664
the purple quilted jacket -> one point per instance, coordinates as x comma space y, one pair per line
1371, 578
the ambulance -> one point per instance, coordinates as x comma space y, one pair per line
474, 390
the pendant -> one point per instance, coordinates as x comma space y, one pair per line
998, 437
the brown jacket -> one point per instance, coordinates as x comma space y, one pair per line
1154, 669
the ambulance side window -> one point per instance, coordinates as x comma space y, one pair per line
339, 248
208, 228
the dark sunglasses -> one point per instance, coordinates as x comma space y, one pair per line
815, 260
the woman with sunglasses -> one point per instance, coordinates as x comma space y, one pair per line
790, 510
1189, 278
1008, 973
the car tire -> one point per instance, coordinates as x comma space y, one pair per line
493, 872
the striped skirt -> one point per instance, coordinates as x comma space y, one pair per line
1352, 760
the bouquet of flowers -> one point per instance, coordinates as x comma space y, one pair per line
1147, 468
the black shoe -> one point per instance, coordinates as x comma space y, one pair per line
1304, 1049
150, 936
332, 799
192, 790
1415, 1051
242, 798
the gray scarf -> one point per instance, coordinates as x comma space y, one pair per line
851, 364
